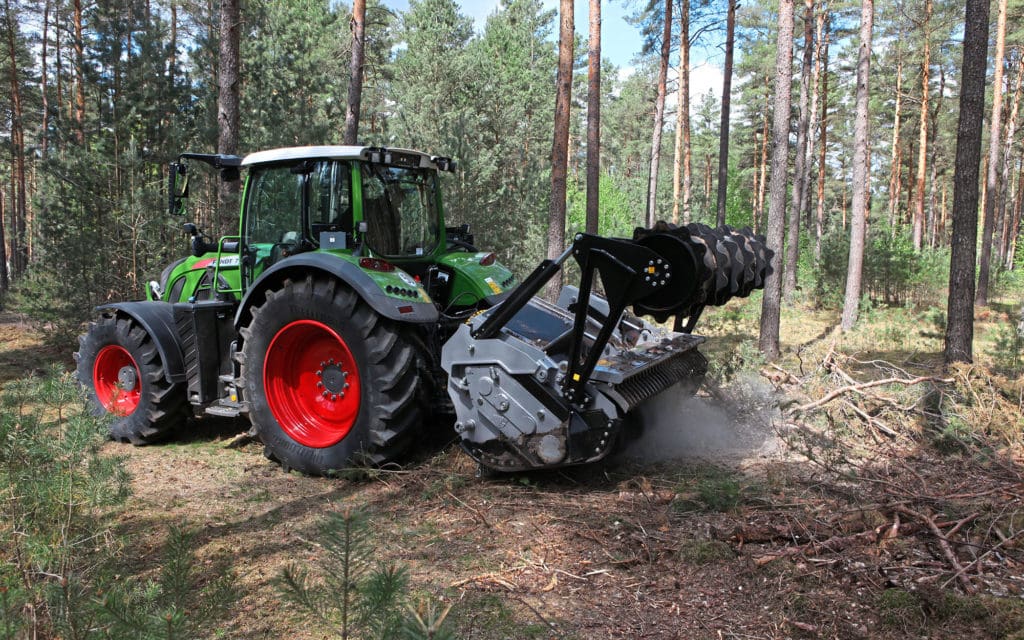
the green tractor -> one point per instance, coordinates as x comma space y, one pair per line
345, 314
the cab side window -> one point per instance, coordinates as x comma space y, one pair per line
330, 197
275, 206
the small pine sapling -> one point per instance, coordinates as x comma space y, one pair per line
352, 595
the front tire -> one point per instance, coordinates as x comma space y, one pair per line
329, 382
120, 369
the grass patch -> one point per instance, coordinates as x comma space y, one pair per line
703, 552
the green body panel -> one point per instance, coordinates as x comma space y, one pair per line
194, 277
473, 281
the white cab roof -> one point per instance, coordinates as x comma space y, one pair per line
331, 152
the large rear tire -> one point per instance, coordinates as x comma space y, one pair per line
119, 366
329, 382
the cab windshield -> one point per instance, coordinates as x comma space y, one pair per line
400, 210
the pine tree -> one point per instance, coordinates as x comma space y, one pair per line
771, 305
960, 312
861, 176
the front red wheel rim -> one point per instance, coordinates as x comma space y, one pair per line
117, 380
311, 383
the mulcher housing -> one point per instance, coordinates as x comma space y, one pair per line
345, 319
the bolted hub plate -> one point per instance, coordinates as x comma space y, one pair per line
334, 379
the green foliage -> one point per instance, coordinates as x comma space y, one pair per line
290, 99
894, 274
702, 552
178, 604
1007, 350
719, 493
352, 593
55, 488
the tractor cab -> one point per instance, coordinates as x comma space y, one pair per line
377, 210
369, 201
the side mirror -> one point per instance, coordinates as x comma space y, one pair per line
177, 188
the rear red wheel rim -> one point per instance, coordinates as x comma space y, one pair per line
117, 380
311, 383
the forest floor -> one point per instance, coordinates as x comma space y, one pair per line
851, 490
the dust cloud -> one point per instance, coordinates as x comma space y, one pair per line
734, 424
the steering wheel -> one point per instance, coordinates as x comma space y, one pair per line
286, 247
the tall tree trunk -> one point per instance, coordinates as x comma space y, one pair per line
681, 192
79, 102
355, 72
762, 184
5, 278
805, 206
560, 144
895, 161
960, 313
917, 232
659, 116
172, 56
594, 118
1006, 179
44, 138
723, 135
800, 162
771, 303
1018, 201
19, 250
819, 214
687, 147
58, 65
931, 218
861, 162
229, 109
992, 173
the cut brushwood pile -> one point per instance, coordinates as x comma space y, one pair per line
917, 477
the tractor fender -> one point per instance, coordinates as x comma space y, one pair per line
299, 266
157, 318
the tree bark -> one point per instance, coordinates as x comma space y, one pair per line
800, 162
762, 184
659, 115
771, 304
229, 108
932, 193
723, 136
5, 279
355, 72
819, 217
1018, 201
992, 173
917, 232
560, 144
1005, 178
895, 162
680, 191
960, 313
861, 162
805, 205
594, 118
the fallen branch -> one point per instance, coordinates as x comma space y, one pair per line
838, 543
947, 550
871, 422
856, 388
475, 512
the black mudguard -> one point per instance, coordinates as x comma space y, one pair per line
157, 318
305, 263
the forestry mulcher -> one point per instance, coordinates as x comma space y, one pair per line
345, 317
